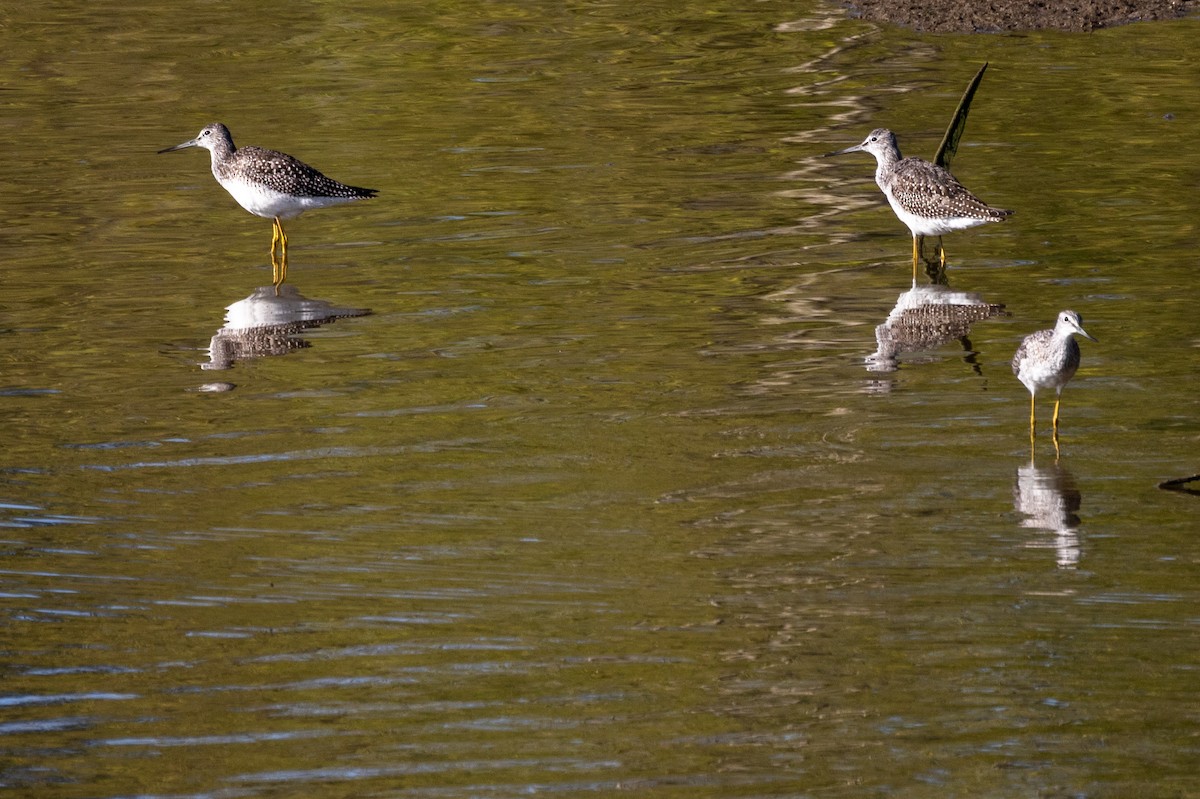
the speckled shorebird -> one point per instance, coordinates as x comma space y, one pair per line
270, 184
1048, 359
926, 197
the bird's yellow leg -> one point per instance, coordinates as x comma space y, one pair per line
1032, 408
1056, 452
283, 237
916, 254
941, 253
281, 273
274, 261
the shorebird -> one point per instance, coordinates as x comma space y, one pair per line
927, 198
270, 184
1048, 359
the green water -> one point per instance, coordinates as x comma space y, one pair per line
603, 497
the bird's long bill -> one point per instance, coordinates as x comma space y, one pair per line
186, 144
855, 149
1079, 329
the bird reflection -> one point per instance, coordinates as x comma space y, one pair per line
1049, 500
266, 323
925, 318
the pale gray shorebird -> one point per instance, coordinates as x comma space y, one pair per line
927, 198
270, 184
1048, 359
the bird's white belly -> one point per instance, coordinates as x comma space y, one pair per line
262, 201
1045, 374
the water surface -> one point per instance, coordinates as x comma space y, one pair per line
610, 491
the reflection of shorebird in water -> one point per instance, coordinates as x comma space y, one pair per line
1049, 500
925, 318
266, 323
926, 197
1048, 359
270, 184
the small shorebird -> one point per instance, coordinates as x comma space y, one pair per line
270, 184
1048, 359
926, 197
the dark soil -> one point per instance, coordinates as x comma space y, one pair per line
993, 16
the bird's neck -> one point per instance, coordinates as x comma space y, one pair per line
221, 151
885, 160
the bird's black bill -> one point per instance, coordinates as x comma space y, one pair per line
191, 143
856, 148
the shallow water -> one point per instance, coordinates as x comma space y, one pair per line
615, 488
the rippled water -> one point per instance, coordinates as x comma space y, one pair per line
609, 450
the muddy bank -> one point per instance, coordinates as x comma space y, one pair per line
993, 16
